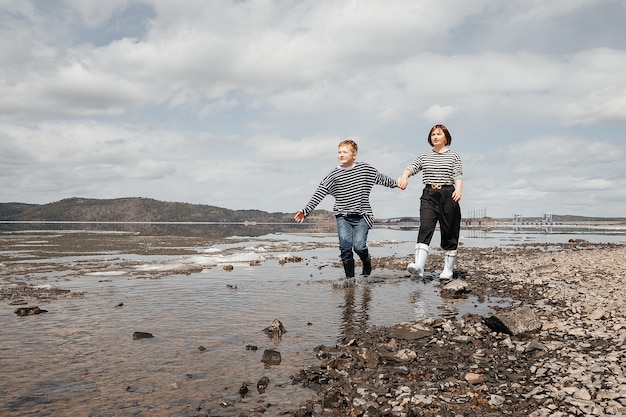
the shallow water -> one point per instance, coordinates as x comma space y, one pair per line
80, 358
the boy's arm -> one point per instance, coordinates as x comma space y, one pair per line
382, 179
317, 198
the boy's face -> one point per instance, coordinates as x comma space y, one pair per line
346, 156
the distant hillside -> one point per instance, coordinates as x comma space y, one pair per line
9, 210
137, 209
146, 210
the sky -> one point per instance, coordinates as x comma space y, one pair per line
241, 104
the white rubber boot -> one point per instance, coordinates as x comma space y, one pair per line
421, 254
448, 264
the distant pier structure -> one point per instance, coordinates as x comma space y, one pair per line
477, 216
546, 218
546, 222
517, 218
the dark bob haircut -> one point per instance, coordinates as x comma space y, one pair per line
445, 132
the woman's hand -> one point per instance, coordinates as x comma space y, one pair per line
403, 183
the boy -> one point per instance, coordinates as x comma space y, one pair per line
350, 183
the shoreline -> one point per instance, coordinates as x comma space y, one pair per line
573, 365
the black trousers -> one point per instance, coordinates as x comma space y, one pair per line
436, 205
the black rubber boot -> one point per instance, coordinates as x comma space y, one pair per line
349, 268
367, 265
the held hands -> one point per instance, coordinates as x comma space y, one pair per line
403, 183
299, 217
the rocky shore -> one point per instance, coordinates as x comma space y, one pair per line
571, 364
558, 349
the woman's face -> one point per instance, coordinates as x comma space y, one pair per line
346, 156
438, 138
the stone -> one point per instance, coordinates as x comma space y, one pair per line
516, 322
142, 335
455, 288
29, 311
262, 384
271, 357
276, 328
474, 378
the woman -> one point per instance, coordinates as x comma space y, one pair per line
442, 174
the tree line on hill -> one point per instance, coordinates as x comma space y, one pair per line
145, 210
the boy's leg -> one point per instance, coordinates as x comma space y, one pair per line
361, 230
345, 234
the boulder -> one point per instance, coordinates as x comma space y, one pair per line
516, 322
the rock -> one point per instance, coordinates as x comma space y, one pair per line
29, 311
516, 322
496, 400
142, 335
228, 267
406, 355
455, 288
598, 314
544, 269
271, 357
409, 332
262, 384
275, 329
474, 378
534, 345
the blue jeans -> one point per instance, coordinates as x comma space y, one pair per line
352, 231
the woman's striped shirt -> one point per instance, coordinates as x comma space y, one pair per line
351, 188
438, 168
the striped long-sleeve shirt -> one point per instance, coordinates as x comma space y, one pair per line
351, 188
438, 168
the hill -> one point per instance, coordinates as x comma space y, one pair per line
132, 209
146, 210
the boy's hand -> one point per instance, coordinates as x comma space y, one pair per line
299, 217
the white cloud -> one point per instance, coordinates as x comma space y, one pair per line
242, 104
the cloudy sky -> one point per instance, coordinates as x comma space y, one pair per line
241, 104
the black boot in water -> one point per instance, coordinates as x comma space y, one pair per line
349, 268
367, 266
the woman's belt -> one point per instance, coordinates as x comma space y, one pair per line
438, 186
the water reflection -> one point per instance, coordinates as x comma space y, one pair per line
355, 317
191, 229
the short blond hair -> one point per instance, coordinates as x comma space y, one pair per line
350, 144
